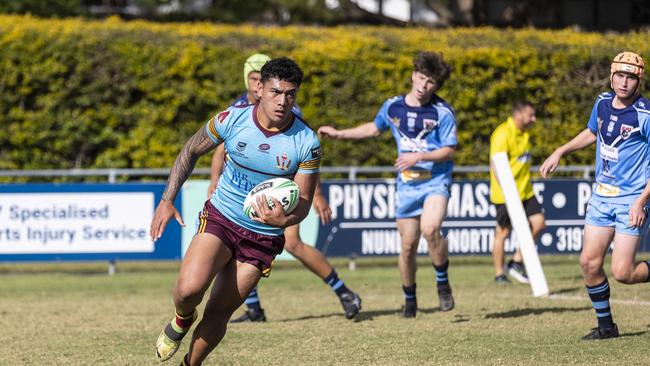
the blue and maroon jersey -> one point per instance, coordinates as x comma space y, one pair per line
255, 154
622, 154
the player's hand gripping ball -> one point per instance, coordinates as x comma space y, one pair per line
282, 189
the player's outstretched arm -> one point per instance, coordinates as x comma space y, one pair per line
363, 131
216, 168
275, 216
582, 140
196, 146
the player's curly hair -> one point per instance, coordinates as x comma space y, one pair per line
431, 64
282, 68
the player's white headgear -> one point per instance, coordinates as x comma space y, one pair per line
254, 63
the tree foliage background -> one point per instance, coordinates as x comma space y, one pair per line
98, 94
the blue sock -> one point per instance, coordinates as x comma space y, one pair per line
599, 295
253, 301
337, 284
441, 274
409, 293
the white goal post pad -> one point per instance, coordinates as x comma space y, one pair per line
520, 224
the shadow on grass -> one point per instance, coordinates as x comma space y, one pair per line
577, 277
370, 315
566, 290
635, 334
460, 318
534, 311
363, 315
310, 317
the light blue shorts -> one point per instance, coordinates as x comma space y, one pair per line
410, 198
606, 214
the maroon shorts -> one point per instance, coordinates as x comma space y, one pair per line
245, 245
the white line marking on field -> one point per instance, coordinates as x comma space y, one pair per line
613, 301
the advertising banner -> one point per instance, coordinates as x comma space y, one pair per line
364, 218
82, 222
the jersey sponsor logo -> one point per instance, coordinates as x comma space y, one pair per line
222, 116
283, 161
608, 152
315, 153
264, 147
409, 145
410, 175
626, 130
606, 169
607, 190
410, 123
610, 128
429, 124
410, 120
241, 146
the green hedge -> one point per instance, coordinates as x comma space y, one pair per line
89, 94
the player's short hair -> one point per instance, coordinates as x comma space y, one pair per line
282, 68
519, 105
431, 64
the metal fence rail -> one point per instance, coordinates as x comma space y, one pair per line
586, 171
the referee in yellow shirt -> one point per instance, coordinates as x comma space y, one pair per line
511, 137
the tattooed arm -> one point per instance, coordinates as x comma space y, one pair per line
196, 146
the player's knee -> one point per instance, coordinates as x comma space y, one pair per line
622, 273
590, 265
501, 234
293, 246
187, 291
409, 249
431, 234
538, 227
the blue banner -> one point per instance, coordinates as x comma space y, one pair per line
50, 222
364, 218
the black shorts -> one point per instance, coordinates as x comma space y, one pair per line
531, 207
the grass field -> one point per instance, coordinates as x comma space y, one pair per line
74, 314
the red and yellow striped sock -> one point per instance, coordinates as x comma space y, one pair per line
180, 325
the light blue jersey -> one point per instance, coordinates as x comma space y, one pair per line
622, 153
255, 154
419, 129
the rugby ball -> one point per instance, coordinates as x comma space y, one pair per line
284, 190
